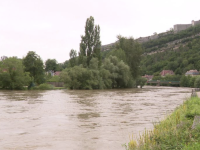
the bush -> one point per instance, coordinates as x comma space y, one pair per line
54, 79
44, 86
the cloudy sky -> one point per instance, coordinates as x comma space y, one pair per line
52, 28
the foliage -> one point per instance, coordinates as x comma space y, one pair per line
180, 61
90, 45
51, 64
141, 81
53, 79
119, 53
190, 81
174, 132
44, 86
133, 52
73, 58
120, 72
12, 75
34, 65
112, 74
81, 78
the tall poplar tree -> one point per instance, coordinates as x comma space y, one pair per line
90, 45
73, 55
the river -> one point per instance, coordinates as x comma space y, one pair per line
82, 119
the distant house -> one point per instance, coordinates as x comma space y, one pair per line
57, 73
192, 73
148, 77
166, 72
52, 73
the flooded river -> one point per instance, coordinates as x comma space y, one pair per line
81, 119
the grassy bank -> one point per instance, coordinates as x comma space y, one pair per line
174, 132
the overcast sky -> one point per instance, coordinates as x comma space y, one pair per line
52, 28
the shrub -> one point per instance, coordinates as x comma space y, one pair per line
44, 86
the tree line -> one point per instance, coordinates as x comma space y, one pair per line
86, 69
119, 68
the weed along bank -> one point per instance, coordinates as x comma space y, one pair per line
179, 130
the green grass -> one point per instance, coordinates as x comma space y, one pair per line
174, 132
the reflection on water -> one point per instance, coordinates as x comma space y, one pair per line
81, 119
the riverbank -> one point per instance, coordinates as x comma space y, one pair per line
174, 132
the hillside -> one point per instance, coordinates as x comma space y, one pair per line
179, 52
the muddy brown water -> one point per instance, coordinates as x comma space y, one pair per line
82, 119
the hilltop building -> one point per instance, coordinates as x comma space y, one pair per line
177, 28
180, 27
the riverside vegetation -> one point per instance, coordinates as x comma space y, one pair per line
174, 132
120, 67
87, 70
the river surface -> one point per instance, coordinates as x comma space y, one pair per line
82, 119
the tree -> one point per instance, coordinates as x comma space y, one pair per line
78, 77
120, 72
133, 51
51, 64
73, 57
90, 45
119, 53
12, 75
141, 81
34, 65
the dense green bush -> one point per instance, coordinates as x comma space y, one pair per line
44, 86
112, 74
53, 79
12, 75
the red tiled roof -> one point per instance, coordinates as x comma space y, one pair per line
57, 73
165, 72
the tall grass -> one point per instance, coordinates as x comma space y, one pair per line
174, 132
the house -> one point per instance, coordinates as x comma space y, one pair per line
166, 72
192, 73
148, 77
57, 73
52, 73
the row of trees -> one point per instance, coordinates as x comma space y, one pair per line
118, 69
84, 70
17, 73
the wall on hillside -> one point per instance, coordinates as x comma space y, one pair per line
177, 28
194, 23
180, 27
